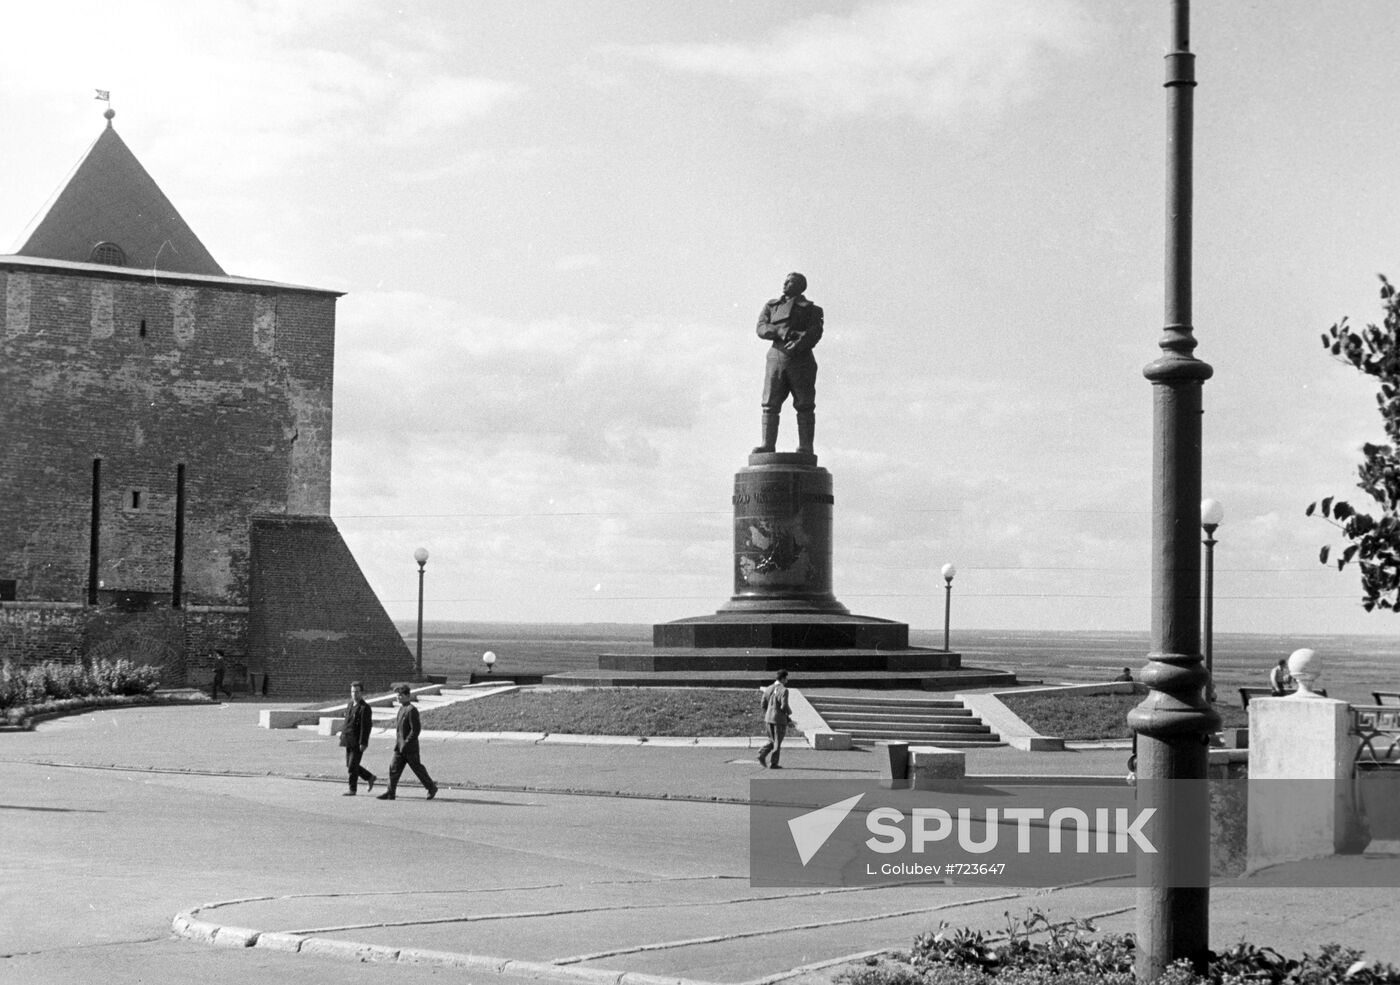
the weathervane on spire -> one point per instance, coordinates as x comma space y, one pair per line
106, 96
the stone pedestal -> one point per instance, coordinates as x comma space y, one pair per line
1301, 796
783, 600
782, 536
783, 613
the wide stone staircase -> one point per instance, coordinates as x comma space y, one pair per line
926, 721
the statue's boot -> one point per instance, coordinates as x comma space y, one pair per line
770, 434
806, 429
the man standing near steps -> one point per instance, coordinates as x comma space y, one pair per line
407, 727
354, 738
794, 325
776, 718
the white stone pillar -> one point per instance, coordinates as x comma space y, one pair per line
1301, 757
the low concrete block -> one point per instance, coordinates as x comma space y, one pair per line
640, 978
199, 930
348, 950
512, 736
286, 718
449, 959
931, 765
275, 940
330, 726
829, 739
1036, 743
234, 937
576, 973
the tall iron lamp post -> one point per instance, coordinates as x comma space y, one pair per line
421, 556
948, 572
1174, 721
1212, 516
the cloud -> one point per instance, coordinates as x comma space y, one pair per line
578, 261
938, 61
577, 391
259, 86
423, 107
386, 239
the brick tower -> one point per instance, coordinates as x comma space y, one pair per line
165, 454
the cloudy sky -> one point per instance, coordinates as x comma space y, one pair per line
556, 222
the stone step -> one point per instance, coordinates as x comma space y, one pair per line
863, 701
922, 741
987, 738
896, 721
915, 725
838, 708
972, 729
924, 721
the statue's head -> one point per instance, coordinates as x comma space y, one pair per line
794, 285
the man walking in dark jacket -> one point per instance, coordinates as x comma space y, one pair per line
407, 728
354, 737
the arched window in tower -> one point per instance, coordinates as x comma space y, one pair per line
108, 253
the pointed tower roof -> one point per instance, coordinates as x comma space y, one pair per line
112, 212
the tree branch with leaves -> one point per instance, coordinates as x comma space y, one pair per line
1373, 539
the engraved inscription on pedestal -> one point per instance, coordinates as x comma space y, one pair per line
782, 539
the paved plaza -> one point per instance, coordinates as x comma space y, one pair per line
564, 862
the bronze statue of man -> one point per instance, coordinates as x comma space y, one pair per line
794, 324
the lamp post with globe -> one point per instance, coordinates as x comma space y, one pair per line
1212, 515
948, 572
421, 556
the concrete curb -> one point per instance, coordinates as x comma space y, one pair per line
814, 728
189, 925
1013, 730
571, 739
297, 717
34, 714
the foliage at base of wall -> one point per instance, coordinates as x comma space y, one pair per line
1038, 951
24, 716
40, 686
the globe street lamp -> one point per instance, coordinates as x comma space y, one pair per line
948, 572
421, 556
489, 659
1212, 515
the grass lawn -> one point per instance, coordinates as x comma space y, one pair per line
1091, 716
608, 711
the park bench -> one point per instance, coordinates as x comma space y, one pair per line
1386, 697
1246, 693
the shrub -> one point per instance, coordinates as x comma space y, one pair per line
1068, 955
1067, 948
56, 680
124, 677
50, 681
886, 973
1246, 964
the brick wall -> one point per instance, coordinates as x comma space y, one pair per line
314, 623
180, 642
32, 632
232, 380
